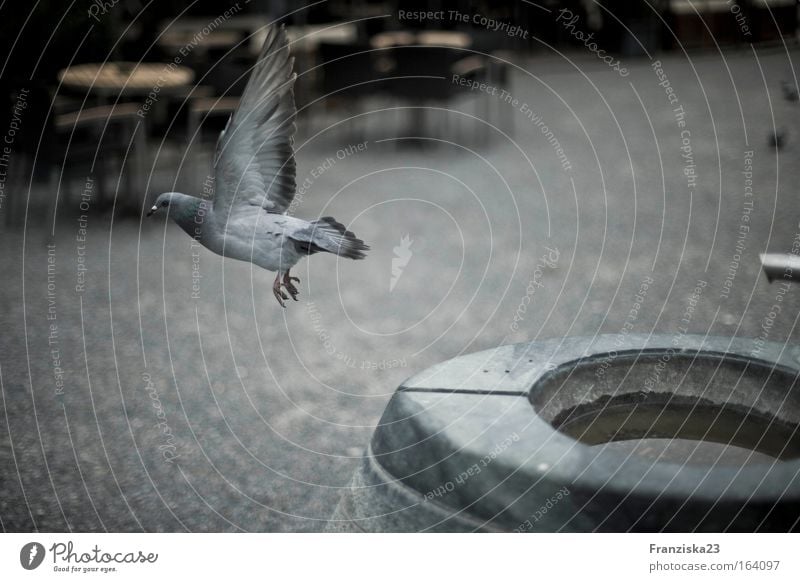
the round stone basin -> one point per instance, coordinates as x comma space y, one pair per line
698, 409
589, 434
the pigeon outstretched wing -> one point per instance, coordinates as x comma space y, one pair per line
254, 161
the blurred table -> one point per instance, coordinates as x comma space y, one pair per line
443, 38
126, 78
146, 82
306, 39
304, 43
193, 33
173, 40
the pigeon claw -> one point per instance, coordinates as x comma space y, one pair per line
276, 290
287, 282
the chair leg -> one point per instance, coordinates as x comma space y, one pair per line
54, 188
129, 168
100, 173
486, 117
139, 166
190, 157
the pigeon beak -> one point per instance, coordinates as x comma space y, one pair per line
152, 210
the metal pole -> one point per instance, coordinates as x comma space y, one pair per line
780, 266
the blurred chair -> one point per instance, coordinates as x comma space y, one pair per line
423, 76
347, 71
204, 107
89, 141
494, 73
348, 77
703, 23
772, 19
229, 71
200, 110
421, 65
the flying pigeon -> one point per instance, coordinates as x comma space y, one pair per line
254, 182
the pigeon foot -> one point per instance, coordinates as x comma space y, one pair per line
287, 282
276, 290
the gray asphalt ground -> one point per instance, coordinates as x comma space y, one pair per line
213, 409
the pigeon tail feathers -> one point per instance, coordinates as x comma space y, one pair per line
332, 236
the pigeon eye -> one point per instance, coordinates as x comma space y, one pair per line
165, 203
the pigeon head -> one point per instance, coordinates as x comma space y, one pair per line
189, 212
162, 201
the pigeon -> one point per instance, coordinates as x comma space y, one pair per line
246, 216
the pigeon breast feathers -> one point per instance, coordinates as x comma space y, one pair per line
255, 156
